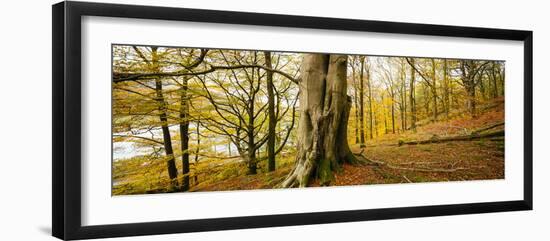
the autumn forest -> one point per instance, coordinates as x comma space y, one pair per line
192, 119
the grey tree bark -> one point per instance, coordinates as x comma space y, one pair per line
322, 134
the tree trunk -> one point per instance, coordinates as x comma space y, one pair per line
403, 96
271, 112
482, 88
322, 134
229, 152
502, 74
426, 90
494, 80
184, 135
384, 109
370, 103
446, 104
361, 102
251, 153
197, 150
412, 101
171, 163
434, 91
356, 102
172, 171
392, 112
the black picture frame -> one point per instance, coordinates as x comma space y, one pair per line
66, 129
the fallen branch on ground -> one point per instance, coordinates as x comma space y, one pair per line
473, 136
488, 127
426, 169
423, 169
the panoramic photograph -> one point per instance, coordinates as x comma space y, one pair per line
188, 119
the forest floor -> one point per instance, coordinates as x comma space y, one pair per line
389, 162
432, 153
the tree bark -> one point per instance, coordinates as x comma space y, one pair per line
403, 96
434, 91
251, 153
171, 163
172, 171
494, 80
361, 103
356, 102
322, 134
370, 103
392, 109
446, 104
197, 150
412, 101
271, 112
184, 134
468, 79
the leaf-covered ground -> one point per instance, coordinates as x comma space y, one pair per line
481, 159
385, 160
452, 161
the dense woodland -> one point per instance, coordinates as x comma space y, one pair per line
189, 119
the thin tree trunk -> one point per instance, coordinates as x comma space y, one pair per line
271, 112
502, 74
392, 112
184, 135
403, 96
482, 88
434, 91
171, 163
251, 153
229, 147
370, 103
494, 80
361, 102
447, 103
172, 171
412, 101
356, 102
384, 109
197, 150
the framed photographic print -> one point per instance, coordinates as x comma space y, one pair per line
170, 120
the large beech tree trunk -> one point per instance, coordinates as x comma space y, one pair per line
322, 133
